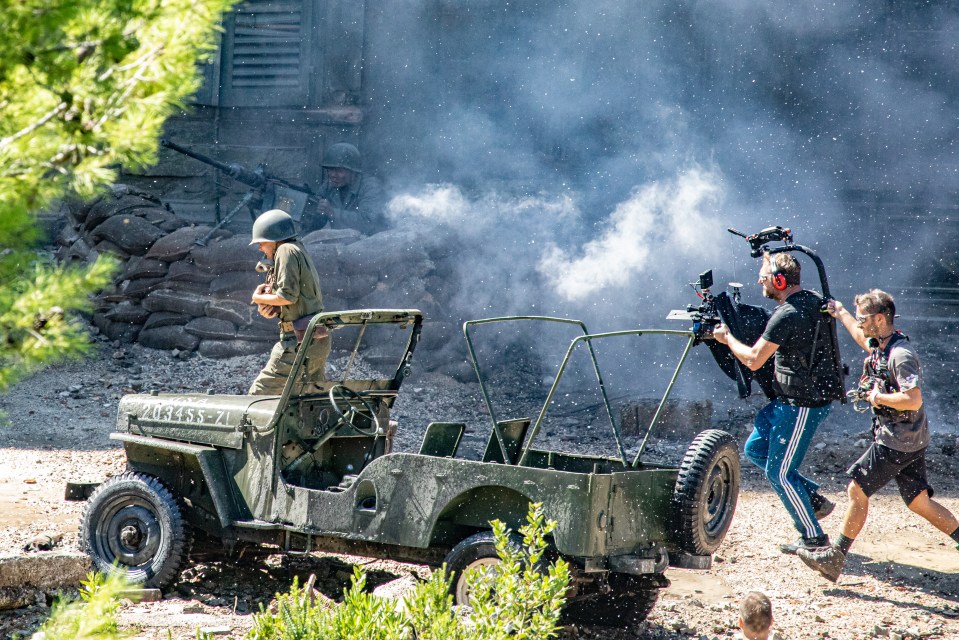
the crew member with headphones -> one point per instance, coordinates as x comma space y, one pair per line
798, 336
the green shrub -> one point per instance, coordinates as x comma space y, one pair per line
93, 617
519, 598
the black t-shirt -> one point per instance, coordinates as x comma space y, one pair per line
795, 326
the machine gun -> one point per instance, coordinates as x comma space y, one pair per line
745, 322
758, 245
266, 191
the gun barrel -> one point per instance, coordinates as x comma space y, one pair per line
235, 171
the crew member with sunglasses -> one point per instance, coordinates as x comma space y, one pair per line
892, 375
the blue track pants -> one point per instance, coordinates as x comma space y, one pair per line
781, 435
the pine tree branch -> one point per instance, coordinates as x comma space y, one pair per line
53, 113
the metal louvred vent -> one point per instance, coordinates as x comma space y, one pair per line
266, 44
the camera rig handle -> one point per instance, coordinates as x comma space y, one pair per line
758, 241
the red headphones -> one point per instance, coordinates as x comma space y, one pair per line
779, 280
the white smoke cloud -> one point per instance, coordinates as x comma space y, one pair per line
447, 204
678, 215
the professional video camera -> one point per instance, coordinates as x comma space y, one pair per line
745, 322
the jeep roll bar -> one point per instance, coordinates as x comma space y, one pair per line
586, 338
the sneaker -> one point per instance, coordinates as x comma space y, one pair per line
821, 505
828, 561
790, 548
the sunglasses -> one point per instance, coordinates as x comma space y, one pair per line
861, 319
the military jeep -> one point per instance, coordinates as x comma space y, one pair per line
315, 471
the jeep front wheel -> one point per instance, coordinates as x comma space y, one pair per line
706, 492
475, 552
133, 525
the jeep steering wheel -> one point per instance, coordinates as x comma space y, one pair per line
342, 396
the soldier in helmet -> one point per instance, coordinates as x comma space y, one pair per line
349, 198
292, 295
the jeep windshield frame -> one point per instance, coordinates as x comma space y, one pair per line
362, 318
587, 339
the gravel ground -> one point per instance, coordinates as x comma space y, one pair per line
901, 580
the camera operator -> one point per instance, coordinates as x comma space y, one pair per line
784, 428
892, 375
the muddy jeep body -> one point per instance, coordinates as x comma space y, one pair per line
304, 472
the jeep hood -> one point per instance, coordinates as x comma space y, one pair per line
218, 420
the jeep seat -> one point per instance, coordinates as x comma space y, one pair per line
442, 439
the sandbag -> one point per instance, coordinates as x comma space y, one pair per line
187, 271
169, 338
177, 245
206, 327
231, 254
131, 233
232, 348
143, 267
166, 319
191, 304
128, 312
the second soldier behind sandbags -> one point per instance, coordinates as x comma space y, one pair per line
348, 198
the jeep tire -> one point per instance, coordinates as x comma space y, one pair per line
475, 552
133, 524
706, 492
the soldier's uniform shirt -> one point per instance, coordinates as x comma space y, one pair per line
296, 280
358, 205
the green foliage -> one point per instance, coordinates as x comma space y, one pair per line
93, 617
85, 87
34, 326
517, 598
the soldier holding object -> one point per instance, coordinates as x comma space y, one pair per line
348, 198
292, 295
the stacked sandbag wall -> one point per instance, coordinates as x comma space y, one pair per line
174, 293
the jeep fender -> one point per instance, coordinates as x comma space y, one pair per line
195, 473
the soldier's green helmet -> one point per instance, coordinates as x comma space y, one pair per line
274, 225
344, 155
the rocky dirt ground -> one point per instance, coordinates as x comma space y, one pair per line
902, 579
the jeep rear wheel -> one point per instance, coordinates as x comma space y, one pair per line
133, 525
706, 492
475, 552
630, 599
